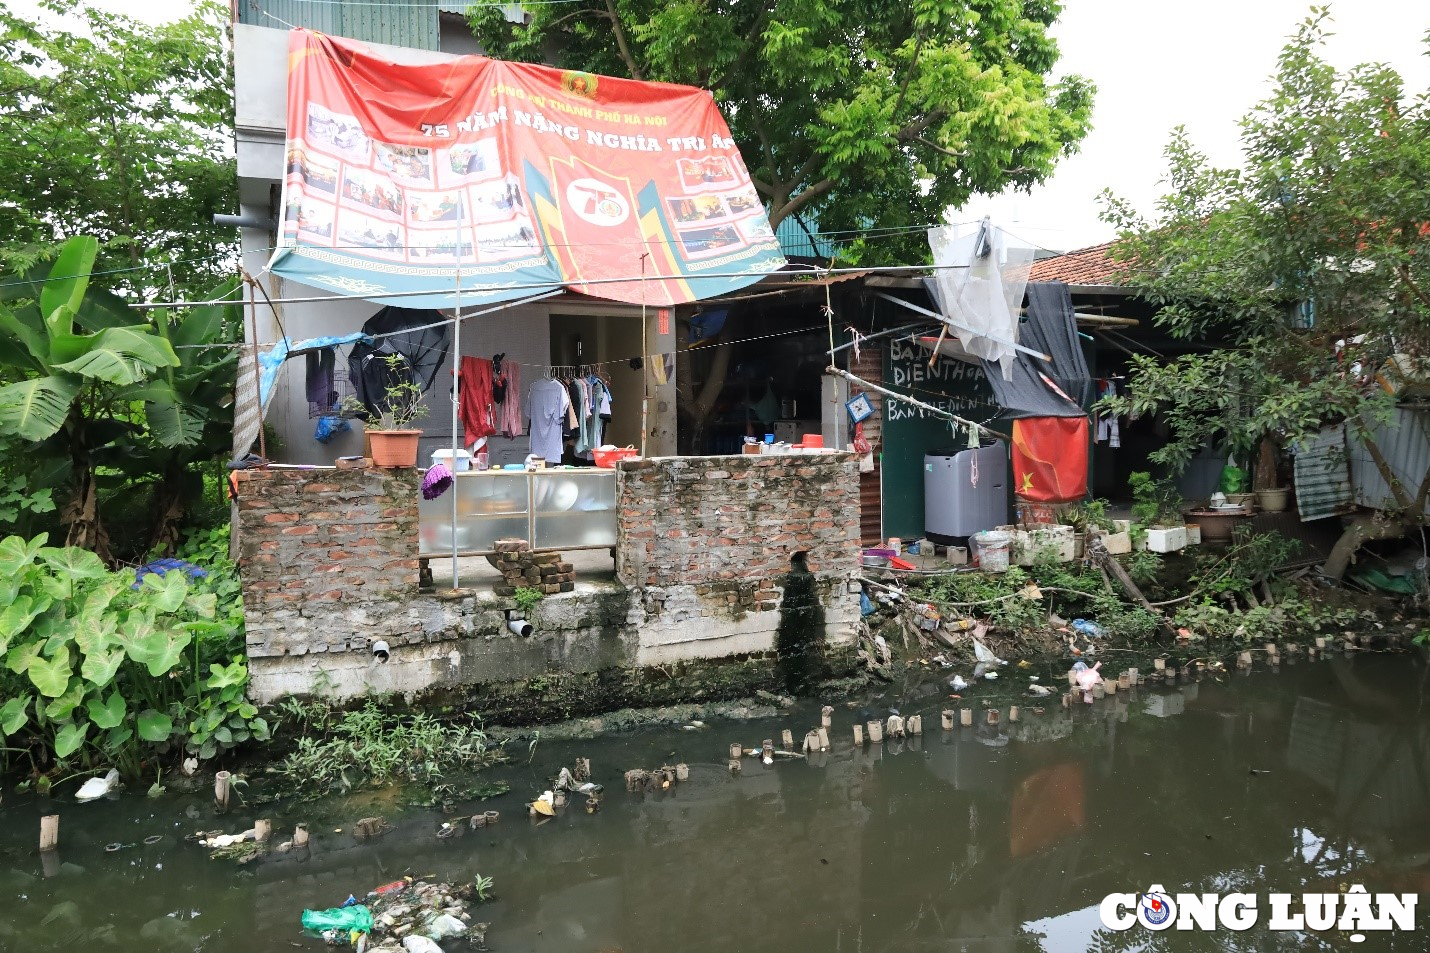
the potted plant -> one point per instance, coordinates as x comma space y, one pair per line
390, 435
1087, 517
1270, 495
1157, 507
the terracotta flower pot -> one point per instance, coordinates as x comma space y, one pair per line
394, 448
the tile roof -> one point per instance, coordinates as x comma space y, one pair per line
1085, 266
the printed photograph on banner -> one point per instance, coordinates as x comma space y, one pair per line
514, 239
374, 191
756, 229
436, 207
470, 160
697, 209
700, 174
744, 201
315, 173
497, 200
336, 133
315, 218
438, 245
358, 232
703, 242
412, 163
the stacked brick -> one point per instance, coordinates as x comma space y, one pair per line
521, 568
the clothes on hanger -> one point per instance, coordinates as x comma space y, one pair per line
547, 406
1108, 430
474, 400
508, 405
321, 364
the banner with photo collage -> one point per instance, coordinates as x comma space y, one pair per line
529, 177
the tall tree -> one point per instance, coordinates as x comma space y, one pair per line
118, 129
1308, 268
875, 115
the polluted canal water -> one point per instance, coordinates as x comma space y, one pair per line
1003, 836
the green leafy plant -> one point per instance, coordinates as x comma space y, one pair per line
99, 668
1087, 515
1143, 565
1154, 502
369, 747
526, 598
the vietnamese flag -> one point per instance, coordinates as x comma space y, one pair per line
1050, 459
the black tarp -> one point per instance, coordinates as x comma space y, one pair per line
1051, 327
422, 351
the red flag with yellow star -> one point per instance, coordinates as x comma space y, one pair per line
1050, 459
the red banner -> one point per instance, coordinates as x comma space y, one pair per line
1050, 459
528, 177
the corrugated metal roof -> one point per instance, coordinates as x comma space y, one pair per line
1405, 444
394, 22
794, 234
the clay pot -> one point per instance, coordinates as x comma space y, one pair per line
1273, 501
394, 448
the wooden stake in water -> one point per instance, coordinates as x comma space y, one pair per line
914, 724
826, 716
262, 830
948, 719
737, 751
858, 736
300, 835
49, 832
993, 716
876, 732
787, 740
1014, 712
222, 788
965, 717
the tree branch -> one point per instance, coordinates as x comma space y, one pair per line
1383, 465
938, 148
1414, 288
621, 43
908, 77
806, 196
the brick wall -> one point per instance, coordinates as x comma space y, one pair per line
315, 544
711, 520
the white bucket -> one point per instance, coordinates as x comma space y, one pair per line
444, 457
992, 547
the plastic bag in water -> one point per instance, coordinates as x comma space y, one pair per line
356, 917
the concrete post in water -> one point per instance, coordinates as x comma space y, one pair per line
1132, 677
737, 751
823, 734
1067, 699
787, 740
1072, 678
1099, 690
948, 719
858, 736
262, 830
914, 724
811, 741
1320, 642
965, 717
767, 751
1271, 648
734, 766
826, 716
222, 789
993, 716
894, 728
1159, 664
1014, 712
1109, 686
1124, 681
876, 732
682, 772
1243, 660
300, 835
49, 832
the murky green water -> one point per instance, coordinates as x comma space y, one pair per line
978, 839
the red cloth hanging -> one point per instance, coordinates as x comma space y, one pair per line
474, 391
1050, 459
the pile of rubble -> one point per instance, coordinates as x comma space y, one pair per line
521, 568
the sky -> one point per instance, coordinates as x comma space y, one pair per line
1157, 64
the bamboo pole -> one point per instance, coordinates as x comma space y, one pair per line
222, 789
49, 832
262, 830
300, 835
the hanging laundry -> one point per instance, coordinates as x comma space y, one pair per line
1108, 430
508, 415
320, 367
474, 395
547, 406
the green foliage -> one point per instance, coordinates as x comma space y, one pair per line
98, 670
1143, 565
1308, 262
118, 129
370, 747
1246, 562
526, 598
1087, 514
875, 117
1154, 502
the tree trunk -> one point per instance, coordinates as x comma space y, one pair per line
1361, 530
81, 513
171, 506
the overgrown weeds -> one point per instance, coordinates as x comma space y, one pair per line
340, 751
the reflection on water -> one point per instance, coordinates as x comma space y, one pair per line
989, 838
